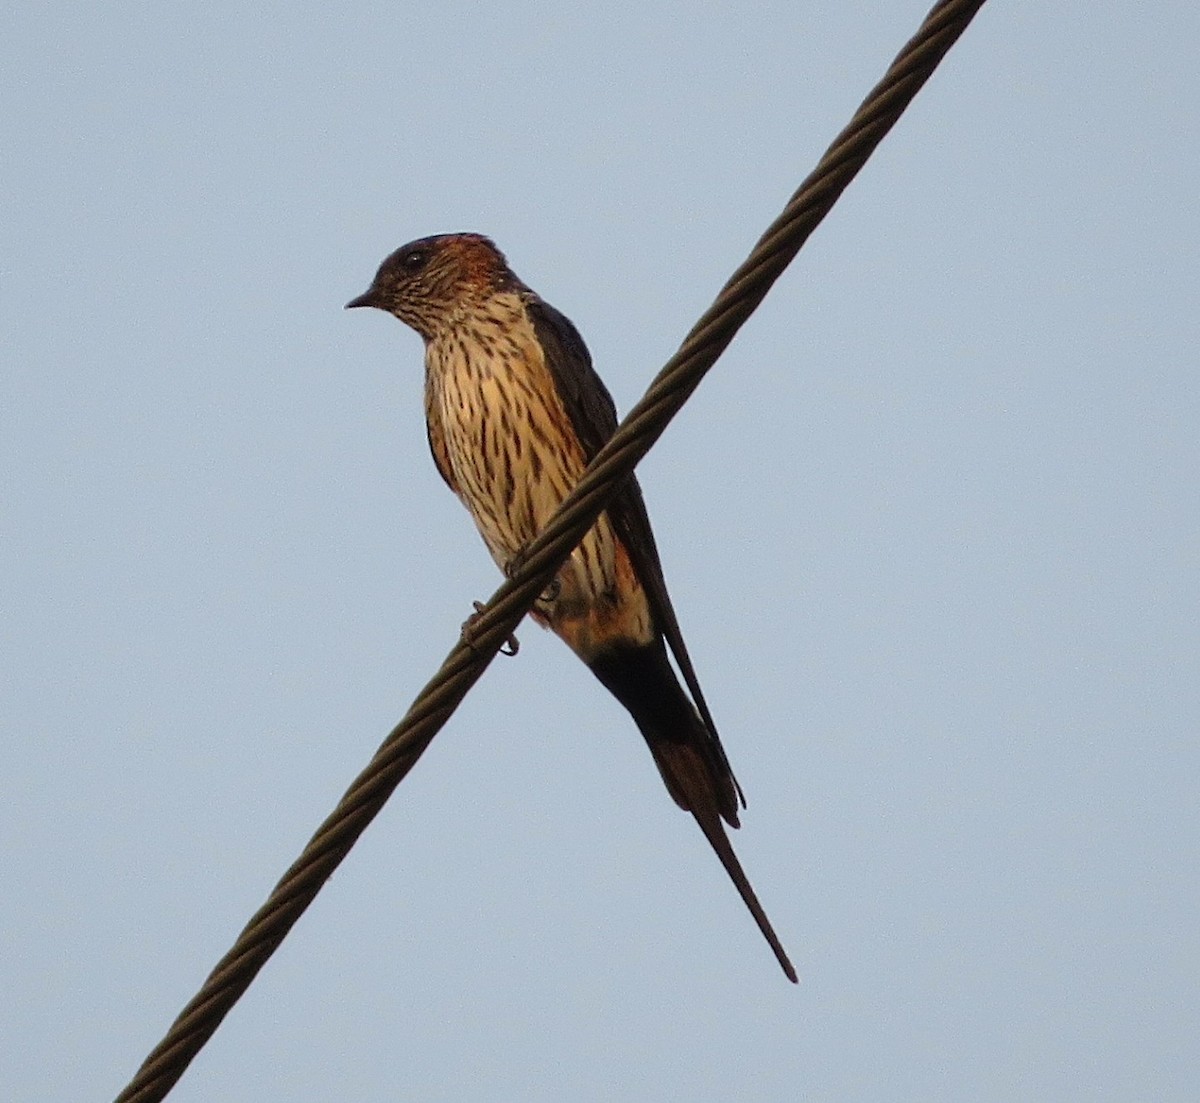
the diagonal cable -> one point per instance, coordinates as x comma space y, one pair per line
614, 463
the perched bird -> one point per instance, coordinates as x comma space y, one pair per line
514, 412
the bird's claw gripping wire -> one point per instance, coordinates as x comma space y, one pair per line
509, 647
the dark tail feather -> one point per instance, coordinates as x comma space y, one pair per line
643, 680
684, 767
689, 757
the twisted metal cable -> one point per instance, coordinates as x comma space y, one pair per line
611, 467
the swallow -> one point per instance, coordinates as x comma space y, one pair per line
514, 412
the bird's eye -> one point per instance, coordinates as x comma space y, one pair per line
415, 260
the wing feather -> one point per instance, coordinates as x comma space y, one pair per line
593, 416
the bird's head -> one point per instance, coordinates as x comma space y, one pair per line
429, 282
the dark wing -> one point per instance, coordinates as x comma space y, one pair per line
583, 393
594, 418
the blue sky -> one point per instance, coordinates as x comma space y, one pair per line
931, 527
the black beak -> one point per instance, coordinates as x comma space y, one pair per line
367, 298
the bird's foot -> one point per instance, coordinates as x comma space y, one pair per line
510, 646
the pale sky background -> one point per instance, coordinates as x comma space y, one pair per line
932, 528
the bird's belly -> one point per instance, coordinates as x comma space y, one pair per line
514, 457
512, 462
